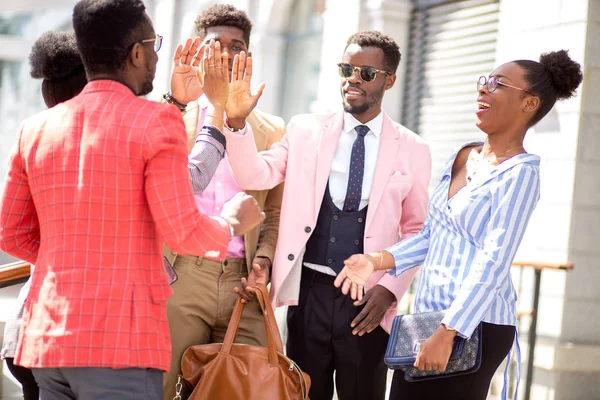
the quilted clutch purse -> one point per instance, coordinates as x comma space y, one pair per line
410, 331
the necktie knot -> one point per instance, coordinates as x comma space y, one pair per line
362, 130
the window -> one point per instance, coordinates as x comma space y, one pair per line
451, 45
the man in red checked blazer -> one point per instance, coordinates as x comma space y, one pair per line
94, 186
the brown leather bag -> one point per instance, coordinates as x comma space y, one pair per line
241, 372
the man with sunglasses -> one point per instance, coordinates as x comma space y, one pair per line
354, 180
89, 197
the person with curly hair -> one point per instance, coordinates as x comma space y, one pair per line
95, 185
54, 58
354, 180
203, 295
477, 217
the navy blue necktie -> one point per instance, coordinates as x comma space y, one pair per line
357, 170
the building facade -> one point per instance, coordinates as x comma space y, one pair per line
446, 46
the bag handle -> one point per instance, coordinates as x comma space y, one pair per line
273, 336
269, 315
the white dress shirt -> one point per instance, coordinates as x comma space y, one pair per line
340, 167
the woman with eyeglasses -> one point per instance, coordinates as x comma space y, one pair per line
476, 220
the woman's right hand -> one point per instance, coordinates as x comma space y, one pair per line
215, 75
353, 277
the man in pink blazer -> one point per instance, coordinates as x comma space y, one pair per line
354, 180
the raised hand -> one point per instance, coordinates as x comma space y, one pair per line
186, 81
215, 75
352, 278
241, 101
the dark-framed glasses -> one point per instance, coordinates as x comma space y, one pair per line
492, 84
367, 74
157, 40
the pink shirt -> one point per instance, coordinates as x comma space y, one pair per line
221, 189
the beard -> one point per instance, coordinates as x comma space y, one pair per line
147, 85
369, 101
356, 109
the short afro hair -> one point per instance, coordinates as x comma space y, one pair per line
223, 15
106, 30
54, 55
391, 51
55, 59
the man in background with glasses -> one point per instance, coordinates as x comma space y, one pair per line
203, 295
94, 185
354, 180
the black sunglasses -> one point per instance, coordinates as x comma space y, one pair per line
367, 74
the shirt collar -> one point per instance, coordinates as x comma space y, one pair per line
107, 85
375, 125
524, 158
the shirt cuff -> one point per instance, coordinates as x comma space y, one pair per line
240, 132
215, 133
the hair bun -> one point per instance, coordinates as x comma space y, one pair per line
54, 55
566, 74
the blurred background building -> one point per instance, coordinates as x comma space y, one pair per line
446, 46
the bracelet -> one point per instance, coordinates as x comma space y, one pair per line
381, 260
214, 116
171, 100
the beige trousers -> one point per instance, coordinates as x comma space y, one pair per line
201, 306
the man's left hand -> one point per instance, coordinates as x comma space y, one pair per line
261, 267
377, 301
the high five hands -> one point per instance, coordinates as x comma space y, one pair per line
241, 101
186, 81
202, 68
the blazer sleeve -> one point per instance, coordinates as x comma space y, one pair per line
253, 170
19, 224
414, 212
169, 193
270, 227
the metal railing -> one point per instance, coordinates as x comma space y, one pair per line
538, 268
17, 272
14, 273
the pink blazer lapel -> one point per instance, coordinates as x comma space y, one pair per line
388, 148
327, 145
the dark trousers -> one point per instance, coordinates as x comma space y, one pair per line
31, 390
497, 342
320, 340
99, 383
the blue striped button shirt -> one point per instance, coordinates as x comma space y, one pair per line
468, 243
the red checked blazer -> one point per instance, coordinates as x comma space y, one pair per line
94, 186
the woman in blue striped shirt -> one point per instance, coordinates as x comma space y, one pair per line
476, 219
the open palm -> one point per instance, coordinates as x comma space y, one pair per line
353, 277
186, 79
241, 101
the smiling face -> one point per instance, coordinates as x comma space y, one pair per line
506, 108
363, 99
231, 38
